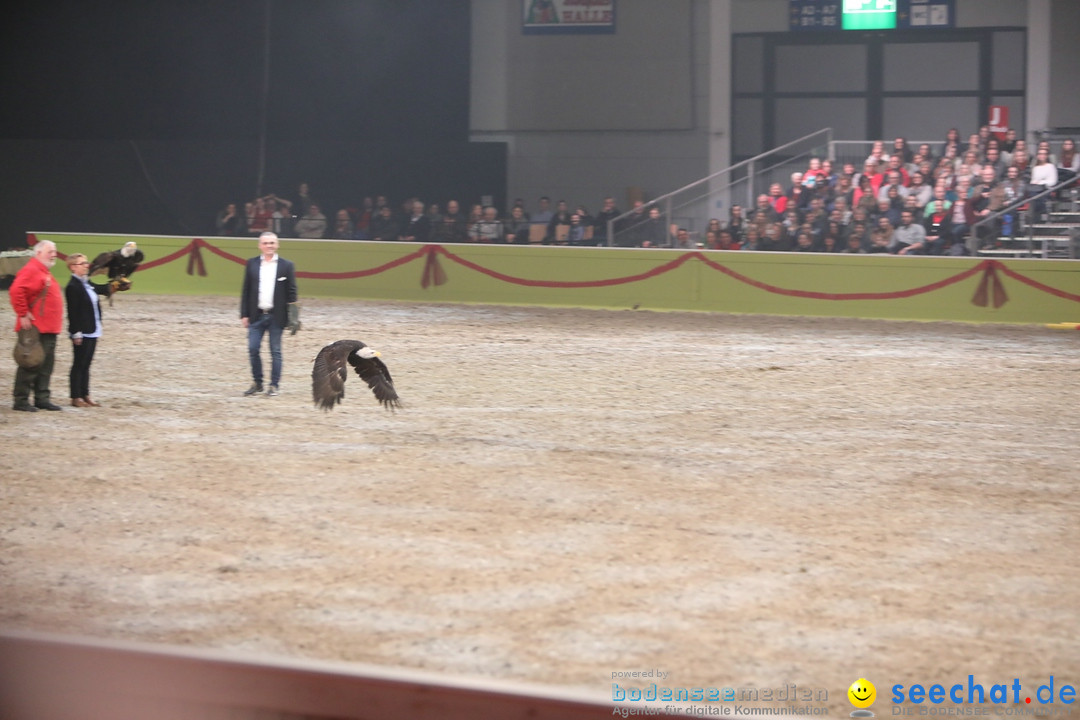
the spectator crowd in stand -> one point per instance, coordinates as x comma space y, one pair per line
901, 200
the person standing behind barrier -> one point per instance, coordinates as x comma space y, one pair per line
987, 198
736, 222
281, 219
1014, 188
725, 241
312, 224
776, 199
841, 205
863, 195
230, 222
434, 214
882, 230
1043, 177
84, 326
343, 226
804, 242
35, 298
629, 235
489, 229
476, 214
877, 155
856, 241
713, 225
1068, 164
654, 231
383, 226
303, 199
268, 292
961, 218
362, 220
893, 181
937, 221
918, 189
909, 238
544, 214
993, 159
451, 228
682, 239
902, 149
751, 238
417, 227
952, 139
517, 227
586, 219
926, 152
608, 211
259, 216
576, 235
558, 225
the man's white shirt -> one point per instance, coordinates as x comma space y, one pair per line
267, 279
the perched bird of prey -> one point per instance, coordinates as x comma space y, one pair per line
119, 264
329, 374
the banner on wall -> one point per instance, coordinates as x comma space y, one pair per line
999, 120
567, 16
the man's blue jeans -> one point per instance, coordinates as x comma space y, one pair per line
257, 327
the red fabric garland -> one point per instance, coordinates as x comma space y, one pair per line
990, 285
991, 289
195, 259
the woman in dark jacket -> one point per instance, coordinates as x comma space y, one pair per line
938, 223
84, 326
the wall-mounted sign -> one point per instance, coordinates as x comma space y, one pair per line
999, 120
870, 14
568, 16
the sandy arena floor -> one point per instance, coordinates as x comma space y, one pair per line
734, 500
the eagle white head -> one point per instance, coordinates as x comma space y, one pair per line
367, 353
129, 249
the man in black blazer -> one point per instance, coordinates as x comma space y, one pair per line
269, 290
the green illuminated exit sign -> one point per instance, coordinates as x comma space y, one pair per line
869, 15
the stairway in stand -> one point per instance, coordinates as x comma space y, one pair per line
1051, 238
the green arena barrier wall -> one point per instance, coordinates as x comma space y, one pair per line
828, 285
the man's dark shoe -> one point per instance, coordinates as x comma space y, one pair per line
47, 406
255, 388
24, 408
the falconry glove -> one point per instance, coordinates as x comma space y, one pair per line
294, 318
120, 284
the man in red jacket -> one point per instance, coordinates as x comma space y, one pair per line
37, 300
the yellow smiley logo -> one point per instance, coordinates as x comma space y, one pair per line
862, 693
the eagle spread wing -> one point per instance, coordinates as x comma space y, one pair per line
118, 263
101, 262
331, 370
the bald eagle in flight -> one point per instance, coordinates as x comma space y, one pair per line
330, 371
119, 264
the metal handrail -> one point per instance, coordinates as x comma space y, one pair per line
666, 198
973, 238
972, 242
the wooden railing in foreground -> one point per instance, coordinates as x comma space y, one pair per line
64, 678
